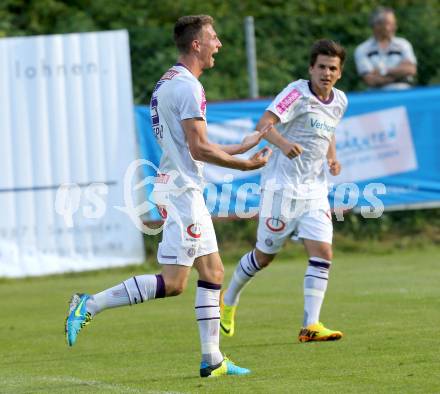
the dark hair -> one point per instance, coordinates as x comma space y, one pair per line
378, 14
328, 48
187, 29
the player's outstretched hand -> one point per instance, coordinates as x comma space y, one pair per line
291, 150
254, 139
259, 159
334, 167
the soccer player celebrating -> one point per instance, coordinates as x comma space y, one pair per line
294, 201
178, 108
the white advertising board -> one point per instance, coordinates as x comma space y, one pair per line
374, 145
66, 116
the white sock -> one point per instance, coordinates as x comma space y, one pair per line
315, 285
132, 291
246, 268
208, 318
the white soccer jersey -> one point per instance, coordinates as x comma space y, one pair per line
310, 122
177, 96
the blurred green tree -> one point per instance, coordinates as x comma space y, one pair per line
285, 31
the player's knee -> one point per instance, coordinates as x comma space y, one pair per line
175, 291
174, 288
263, 259
215, 275
325, 253
328, 254
218, 275
264, 262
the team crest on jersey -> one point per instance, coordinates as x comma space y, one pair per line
337, 111
275, 224
194, 230
191, 252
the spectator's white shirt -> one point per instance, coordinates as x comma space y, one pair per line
310, 122
369, 56
177, 96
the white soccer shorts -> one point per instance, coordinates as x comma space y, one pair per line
284, 217
188, 231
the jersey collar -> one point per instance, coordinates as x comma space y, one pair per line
183, 66
328, 101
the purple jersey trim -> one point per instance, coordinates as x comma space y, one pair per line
160, 287
328, 101
208, 285
253, 260
206, 306
319, 264
247, 273
314, 276
182, 65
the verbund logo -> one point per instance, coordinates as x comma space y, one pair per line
45, 69
321, 125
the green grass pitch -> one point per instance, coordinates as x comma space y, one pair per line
387, 306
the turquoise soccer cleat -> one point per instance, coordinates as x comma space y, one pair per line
226, 367
77, 318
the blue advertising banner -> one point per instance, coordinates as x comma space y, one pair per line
387, 144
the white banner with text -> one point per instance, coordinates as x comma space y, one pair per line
66, 120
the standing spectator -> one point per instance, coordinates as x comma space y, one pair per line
385, 61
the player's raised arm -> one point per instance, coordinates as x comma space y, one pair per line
267, 122
203, 150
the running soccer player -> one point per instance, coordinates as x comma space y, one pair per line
294, 201
178, 108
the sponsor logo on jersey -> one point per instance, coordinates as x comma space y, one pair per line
203, 103
321, 125
194, 230
287, 101
275, 224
